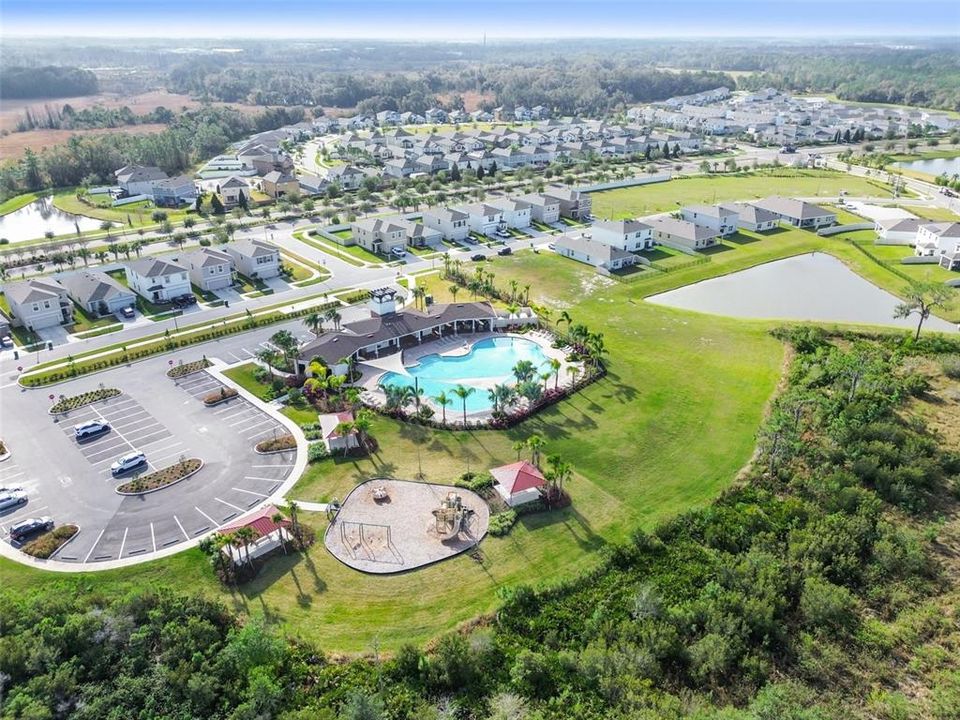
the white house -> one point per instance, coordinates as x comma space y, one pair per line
797, 212
39, 303
592, 252
483, 218
347, 177
255, 258
716, 217
898, 231
936, 239
379, 235
543, 208
627, 235
209, 269
232, 189
451, 222
515, 213
334, 440
683, 234
139, 179
751, 217
158, 280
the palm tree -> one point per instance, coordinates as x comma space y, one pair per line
333, 316
526, 294
362, 424
519, 447
454, 289
559, 471
463, 393
344, 429
294, 511
514, 285
101, 256
85, 254
494, 399
565, 318
242, 537
535, 443
277, 518
267, 357
573, 371
524, 370
287, 343
555, 366
418, 295
596, 348
314, 323
546, 378
443, 400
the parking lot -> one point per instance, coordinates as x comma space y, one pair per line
166, 420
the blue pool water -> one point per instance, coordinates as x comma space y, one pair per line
489, 361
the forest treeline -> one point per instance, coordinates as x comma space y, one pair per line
49, 81
815, 589
192, 136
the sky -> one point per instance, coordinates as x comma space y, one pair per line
469, 20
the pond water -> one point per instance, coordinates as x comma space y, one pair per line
934, 166
32, 221
816, 287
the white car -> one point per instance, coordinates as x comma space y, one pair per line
14, 497
128, 462
89, 429
398, 252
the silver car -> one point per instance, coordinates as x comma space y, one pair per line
11, 498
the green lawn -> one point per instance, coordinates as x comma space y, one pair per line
346, 253
83, 321
144, 306
135, 216
244, 377
935, 214
19, 201
668, 196
243, 284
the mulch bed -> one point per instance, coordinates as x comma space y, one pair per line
180, 371
221, 395
48, 543
284, 442
78, 401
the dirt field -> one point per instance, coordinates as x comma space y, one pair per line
471, 100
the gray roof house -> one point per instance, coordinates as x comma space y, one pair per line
38, 303
254, 258
797, 212
139, 179
96, 292
209, 269
756, 219
682, 234
593, 252
157, 279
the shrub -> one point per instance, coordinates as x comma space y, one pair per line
500, 523
72, 403
224, 393
317, 451
162, 478
48, 543
179, 371
951, 366
475, 481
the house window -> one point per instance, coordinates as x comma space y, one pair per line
36, 307
46, 304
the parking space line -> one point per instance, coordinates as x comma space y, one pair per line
247, 352
185, 536
250, 492
235, 357
241, 411
264, 432
275, 465
204, 514
239, 509
156, 450
122, 437
94, 546
254, 477
123, 542
243, 421
11, 520
153, 538
159, 433
5, 478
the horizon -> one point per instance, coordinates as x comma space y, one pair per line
471, 21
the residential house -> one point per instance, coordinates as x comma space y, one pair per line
399, 167
574, 204
157, 279
543, 208
209, 269
515, 213
627, 235
97, 293
278, 184
797, 212
174, 192
347, 177
518, 483
256, 259
333, 438
483, 218
452, 223
39, 303
721, 218
436, 116
139, 179
898, 231
935, 239
683, 234
379, 235
312, 185
753, 218
593, 252
232, 190
420, 235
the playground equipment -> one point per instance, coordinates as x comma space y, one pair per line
451, 517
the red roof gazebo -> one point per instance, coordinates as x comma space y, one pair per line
518, 482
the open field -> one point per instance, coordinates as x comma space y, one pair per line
669, 196
14, 145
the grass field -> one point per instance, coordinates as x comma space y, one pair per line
67, 201
244, 377
669, 196
19, 201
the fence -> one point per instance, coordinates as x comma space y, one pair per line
628, 182
837, 229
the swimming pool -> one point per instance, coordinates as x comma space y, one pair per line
489, 362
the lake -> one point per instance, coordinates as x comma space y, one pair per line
934, 166
815, 287
32, 221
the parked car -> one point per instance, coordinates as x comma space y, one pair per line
478, 257
398, 252
26, 528
15, 497
6, 341
502, 234
551, 246
89, 429
504, 251
128, 462
184, 301
128, 312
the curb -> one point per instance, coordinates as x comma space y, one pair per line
6, 456
274, 452
72, 538
220, 401
162, 487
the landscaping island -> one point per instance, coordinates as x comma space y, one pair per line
276, 445
47, 544
161, 478
184, 369
66, 404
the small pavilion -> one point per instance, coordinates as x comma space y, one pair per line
270, 535
518, 483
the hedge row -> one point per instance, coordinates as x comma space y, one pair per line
48, 543
188, 368
161, 478
284, 442
72, 403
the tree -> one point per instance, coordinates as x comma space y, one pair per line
277, 519
518, 447
216, 205
463, 393
344, 430
286, 342
535, 444
921, 299
454, 289
314, 323
555, 366
362, 423
443, 400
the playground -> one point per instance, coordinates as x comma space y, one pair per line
388, 526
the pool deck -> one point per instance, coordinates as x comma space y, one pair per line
398, 533
373, 370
